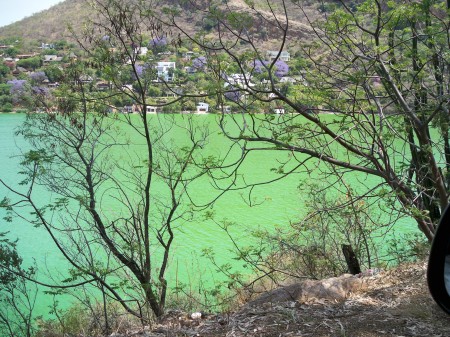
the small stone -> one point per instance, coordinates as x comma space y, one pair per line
196, 315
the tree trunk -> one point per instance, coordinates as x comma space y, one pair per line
351, 259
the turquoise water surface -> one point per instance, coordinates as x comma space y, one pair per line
275, 204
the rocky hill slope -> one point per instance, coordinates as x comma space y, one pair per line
49, 25
52, 25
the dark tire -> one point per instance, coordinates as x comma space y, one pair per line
440, 248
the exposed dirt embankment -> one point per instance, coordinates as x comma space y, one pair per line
390, 303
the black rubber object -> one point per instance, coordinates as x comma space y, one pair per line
436, 262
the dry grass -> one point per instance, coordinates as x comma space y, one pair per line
52, 24
392, 303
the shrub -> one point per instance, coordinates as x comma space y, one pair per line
8, 107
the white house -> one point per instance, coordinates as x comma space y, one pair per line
166, 71
150, 109
279, 110
239, 80
272, 54
141, 51
86, 79
47, 45
202, 108
288, 79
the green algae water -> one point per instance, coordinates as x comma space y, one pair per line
274, 204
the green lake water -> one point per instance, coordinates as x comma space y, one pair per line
277, 204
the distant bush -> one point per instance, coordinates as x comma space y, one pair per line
8, 107
281, 68
87, 320
31, 63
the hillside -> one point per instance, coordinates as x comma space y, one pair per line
392, 303
49, 25
52, 24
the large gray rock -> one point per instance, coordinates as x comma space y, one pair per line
332, 289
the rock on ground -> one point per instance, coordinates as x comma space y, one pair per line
392, 303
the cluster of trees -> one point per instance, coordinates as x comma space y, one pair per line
16, 88
380, 67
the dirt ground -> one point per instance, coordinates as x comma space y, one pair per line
391, 303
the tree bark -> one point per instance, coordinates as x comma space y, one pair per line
351, 259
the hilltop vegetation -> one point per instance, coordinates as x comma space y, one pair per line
53, 24
48, 25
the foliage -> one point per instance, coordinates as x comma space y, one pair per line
4, 70
54, 73
279, 66
38, 77
373, 101
31, 63
50, 51
233, 94
312, 248
5, 98
61, 44
158, 44
199, 63
17, 296
11, 52
20, 91
86, 319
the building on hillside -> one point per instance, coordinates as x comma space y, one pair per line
189, 70
53, 85
224, 108
51, 58
166, 71
20, 70
151, 109
287, 79
202, 108
103, 86
188, 55
239, 80
272, 55
141, 51
47, 46
86, 79
26, 56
